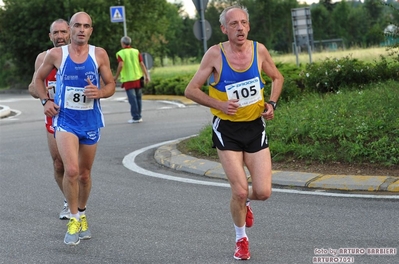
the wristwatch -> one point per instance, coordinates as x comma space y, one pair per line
44, 101
273, 103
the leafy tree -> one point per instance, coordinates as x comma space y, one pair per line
321, 23
24, 28
374, 9
327, 4
340, 16
212, 16
24, 32
358, 28
181, 42
163, 30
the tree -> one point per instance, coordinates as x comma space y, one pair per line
321, 23
24, 32
374, 9
358, 28
24, 28
212, 16
340, 16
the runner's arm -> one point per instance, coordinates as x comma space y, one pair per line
38, 62
193, 90
105, 71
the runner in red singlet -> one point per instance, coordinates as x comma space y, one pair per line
59, 35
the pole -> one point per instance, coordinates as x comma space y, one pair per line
296, 52
124, 21
203, 24
309, 51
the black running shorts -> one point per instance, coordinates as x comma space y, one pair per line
239, 136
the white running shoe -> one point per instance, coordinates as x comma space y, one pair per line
65, 213
131, 121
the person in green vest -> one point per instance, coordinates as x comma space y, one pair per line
133, 75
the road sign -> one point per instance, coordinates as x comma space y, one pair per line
199, 6
117, 14
147, 59
198, 30
302, 29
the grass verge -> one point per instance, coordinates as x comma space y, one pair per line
360, 127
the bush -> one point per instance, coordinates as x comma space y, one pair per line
348, 126
332, 74
170, 86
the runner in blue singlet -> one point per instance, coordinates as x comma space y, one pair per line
77, 114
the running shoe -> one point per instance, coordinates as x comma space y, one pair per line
84, 228
132, 121
65, 213
249, 219
242, 249
72, 235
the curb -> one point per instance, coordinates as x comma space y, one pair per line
169, 156
4, 111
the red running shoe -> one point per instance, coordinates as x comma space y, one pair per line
242, 249
249, 219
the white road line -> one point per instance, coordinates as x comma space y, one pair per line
13, 100
129, 162
180, 105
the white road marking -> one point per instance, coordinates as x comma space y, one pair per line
13, 100
180, 105
129, 162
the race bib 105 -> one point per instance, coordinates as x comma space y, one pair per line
247, 92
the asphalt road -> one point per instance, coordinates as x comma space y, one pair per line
139, 219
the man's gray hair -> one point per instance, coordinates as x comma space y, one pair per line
222, 17
60, 20
126, 40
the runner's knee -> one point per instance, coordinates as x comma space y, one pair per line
262, 195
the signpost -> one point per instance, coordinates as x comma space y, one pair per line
118, 15
206, 31
148, 61
302, 29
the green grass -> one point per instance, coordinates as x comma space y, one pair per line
348, 127
366, 55
172, 71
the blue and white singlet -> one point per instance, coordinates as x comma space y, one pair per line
76, 111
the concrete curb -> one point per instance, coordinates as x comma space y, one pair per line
4, 111
169, 156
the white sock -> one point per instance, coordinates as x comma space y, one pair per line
82, 212
240, 232
76, 216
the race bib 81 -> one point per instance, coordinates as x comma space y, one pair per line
75, 99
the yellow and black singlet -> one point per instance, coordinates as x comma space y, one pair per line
246, 86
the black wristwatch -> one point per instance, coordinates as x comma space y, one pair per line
44, 101
273, 103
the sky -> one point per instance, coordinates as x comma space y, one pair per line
190, 7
